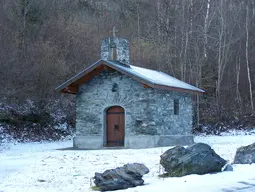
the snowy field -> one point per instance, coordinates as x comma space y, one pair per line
40, 167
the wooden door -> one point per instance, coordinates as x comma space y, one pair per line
115, 126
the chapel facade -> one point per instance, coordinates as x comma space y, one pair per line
122, 105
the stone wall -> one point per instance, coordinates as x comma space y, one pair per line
121, 47
147, 111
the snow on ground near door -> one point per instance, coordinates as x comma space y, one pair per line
40, 167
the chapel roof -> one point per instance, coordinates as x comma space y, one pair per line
149, 78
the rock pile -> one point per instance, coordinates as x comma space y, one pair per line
130, 175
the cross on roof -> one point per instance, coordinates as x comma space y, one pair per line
114, 31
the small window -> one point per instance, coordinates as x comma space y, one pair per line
115, 87
176, 106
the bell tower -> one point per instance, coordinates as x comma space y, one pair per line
115, 49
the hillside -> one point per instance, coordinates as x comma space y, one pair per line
209, 44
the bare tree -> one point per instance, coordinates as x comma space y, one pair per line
247, 56
205, 43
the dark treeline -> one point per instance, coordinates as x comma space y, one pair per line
208, 43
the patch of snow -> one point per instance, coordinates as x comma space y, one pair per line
156, 77
235, 132
5, 139
63, 126
40, 167
163, 79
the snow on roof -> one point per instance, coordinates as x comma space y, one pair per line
155, 77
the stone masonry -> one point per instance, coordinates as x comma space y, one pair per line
122, 49
149, 113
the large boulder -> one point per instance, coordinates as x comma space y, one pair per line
198, 158
245, 154
130, 175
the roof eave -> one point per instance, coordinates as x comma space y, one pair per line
62, 86
171, 88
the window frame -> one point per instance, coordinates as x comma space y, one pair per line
176, 107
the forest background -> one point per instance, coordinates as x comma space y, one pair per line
207, 43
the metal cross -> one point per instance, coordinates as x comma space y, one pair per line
114, 31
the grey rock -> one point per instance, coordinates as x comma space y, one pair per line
130, 175
245, 155
199, 159
227, 167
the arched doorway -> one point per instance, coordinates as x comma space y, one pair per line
115, 129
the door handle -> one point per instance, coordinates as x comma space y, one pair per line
116, 126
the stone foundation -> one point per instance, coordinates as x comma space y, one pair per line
135, 142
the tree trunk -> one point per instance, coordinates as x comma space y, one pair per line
238, 95
24, 51
206, 28
247, 57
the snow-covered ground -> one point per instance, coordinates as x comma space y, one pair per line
41, 167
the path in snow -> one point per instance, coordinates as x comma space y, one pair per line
24, 166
